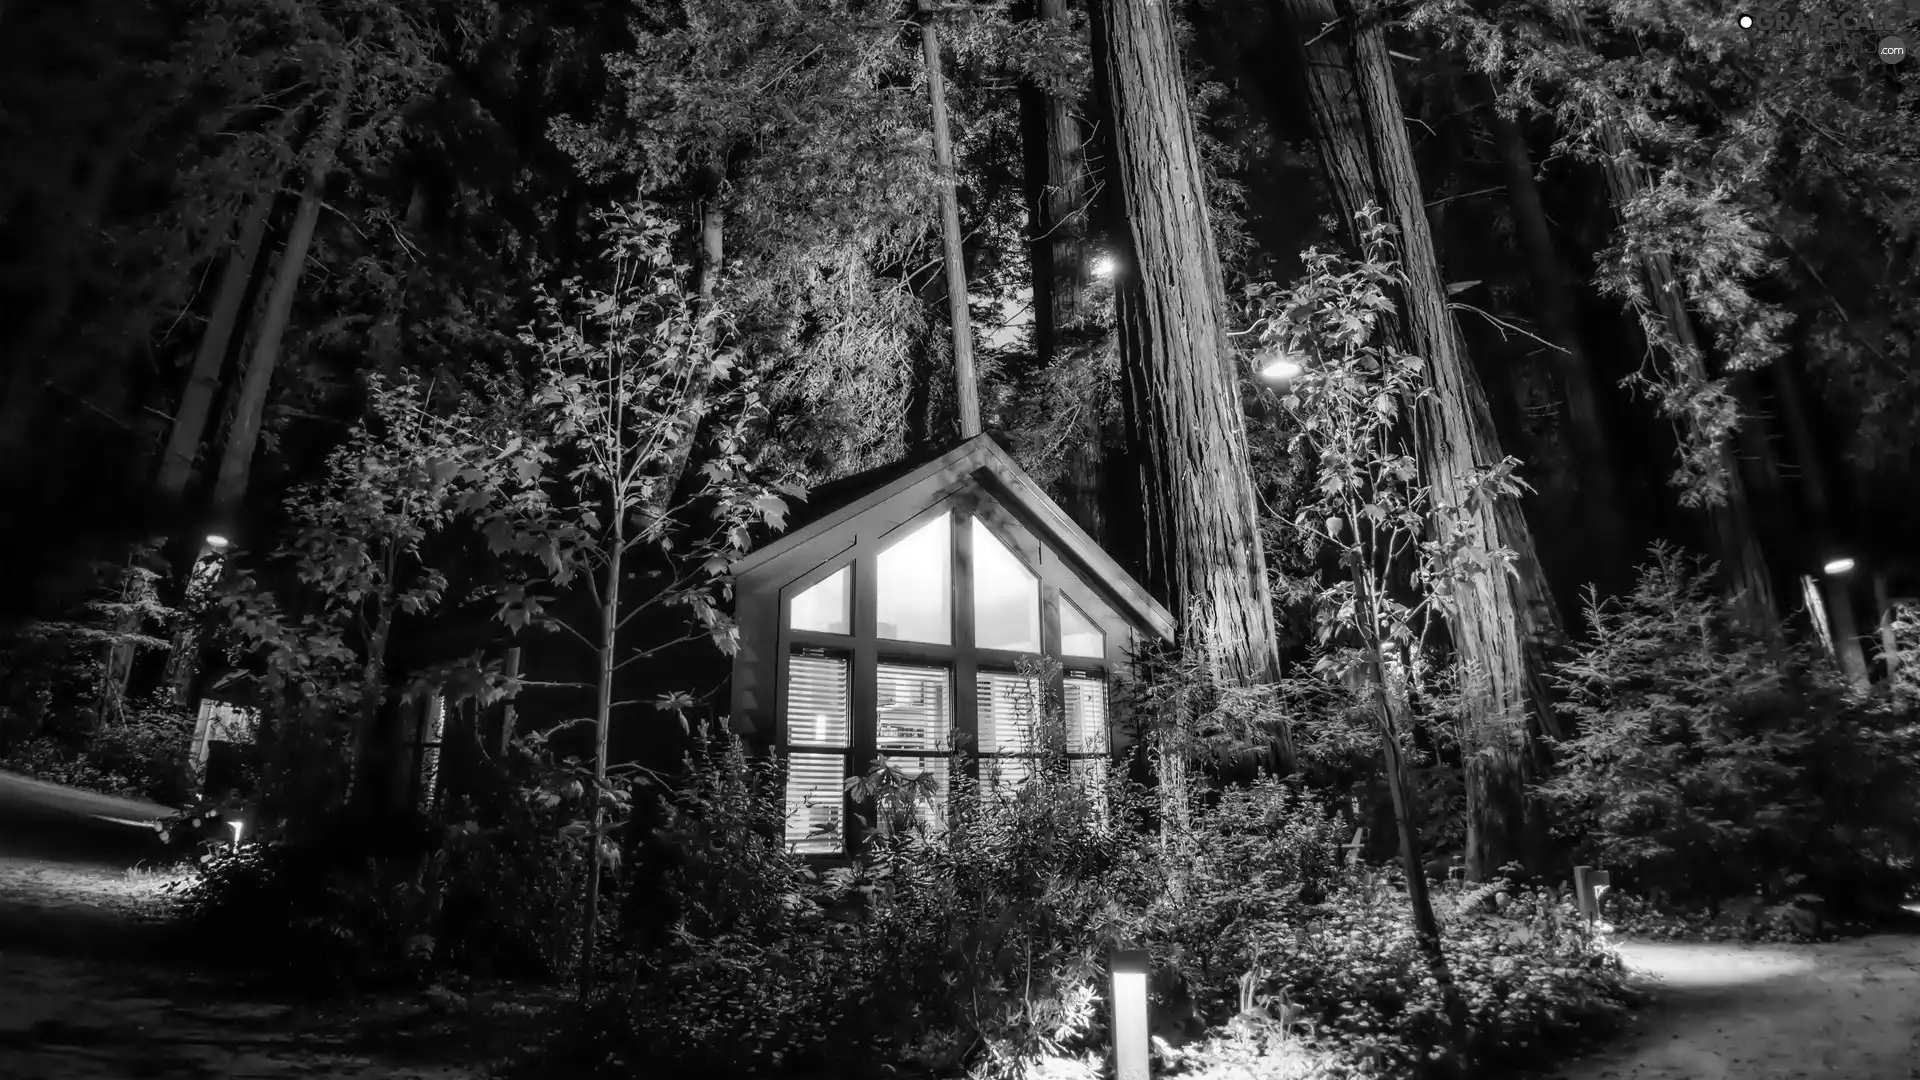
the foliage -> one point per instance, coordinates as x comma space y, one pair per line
1715, 761
141, 754
486, 884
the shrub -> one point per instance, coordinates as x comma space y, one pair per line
140, 754
487, 884
1714, 760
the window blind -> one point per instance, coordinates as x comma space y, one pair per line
915, 712
815, 787
1085, 701
816, 701
1007, 708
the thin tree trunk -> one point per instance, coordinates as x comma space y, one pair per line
602, 724
1559, 316
509, 713
373, 695
1062, 278
966, 389
1503, 623
1736, 544
203, 380
236, 459
1183, 392
1889, 641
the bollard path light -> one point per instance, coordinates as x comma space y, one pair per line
1589, 885
1130, 1031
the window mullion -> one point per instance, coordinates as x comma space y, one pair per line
864, 688
966, 696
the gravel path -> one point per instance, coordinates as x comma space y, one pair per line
1849, 1010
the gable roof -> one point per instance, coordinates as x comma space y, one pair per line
980, 457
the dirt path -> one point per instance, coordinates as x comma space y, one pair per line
88, 990
1848, 1010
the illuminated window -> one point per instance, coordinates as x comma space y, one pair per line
1078, 635
1006, 596
816, 719
913, 598
824, 608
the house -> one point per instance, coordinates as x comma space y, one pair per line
892, 619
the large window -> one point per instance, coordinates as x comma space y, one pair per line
851, 702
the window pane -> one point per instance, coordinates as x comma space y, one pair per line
1007, 710
815, 783
914, 710
933, 786
1078, 635
1006, 596
1086, 714
1005, 776
913, 598
823, 607
1091, 775
817, 700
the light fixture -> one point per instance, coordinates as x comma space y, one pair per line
1130, 1031
217, 542
1280, 365
1103, 266
1838, 566
1589, 885
238, 827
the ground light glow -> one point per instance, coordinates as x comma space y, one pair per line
1838, 566
217, 542
1280, 366
1130, 1030
238, 827
1103, 266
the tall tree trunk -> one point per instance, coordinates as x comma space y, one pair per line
509, 711
1503, 623
966, 389
203, 379
1062, 277
1559, 317
1818, 527
1183, 393
700, 380
1736, 542
236, 459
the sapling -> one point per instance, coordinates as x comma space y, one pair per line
625, 371
1401, 551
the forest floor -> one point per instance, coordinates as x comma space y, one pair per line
86, 994
88, 990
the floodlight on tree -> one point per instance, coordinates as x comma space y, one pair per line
218, 542
1103, 266
1838, 566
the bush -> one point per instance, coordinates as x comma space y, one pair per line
1716, 761
487, 884
141, 755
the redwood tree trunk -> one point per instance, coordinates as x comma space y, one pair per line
1204, 552
203, 380
966, 389
1559, 316
700, 380
1736, 541
1062, 278
236, 459
1503, 623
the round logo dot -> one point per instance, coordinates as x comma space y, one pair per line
1746, 22
1892, 49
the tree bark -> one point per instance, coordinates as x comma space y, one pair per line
203, 380
1848, 646
700, 380
509, 712
1743, 564
1504, 623
236, 459
1062, 278
966, 389
1204, 554
1559, 317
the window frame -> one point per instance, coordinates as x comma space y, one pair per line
1059, 582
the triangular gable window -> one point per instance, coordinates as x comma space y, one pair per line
1006, 596
1078, 635
913, 598
824, 608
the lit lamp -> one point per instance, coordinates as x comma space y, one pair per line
1130, 1032
1836, 567
1279, 366
1103, 266
218, 542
